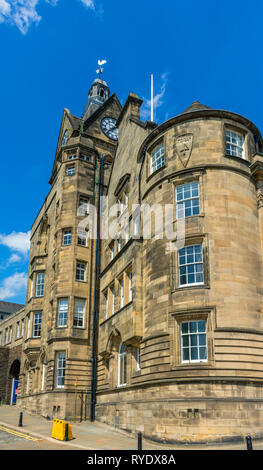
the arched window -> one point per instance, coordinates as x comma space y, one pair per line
122, 365
65, 138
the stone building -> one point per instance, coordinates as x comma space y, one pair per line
157, 333
180, 331
56, 364
11, 342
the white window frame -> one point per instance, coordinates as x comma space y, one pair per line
37, 323
66, 237
130, 286
79, 314
31, 287
82, 237
190, 193
157, 158
43, 376
122, 293
112, 300
28, 325
22, 327
235, 143
83, 208
17, 329
194, 264
197, 346
62, 314
60, 366
40, 283
70, 170
81, 271
122, 365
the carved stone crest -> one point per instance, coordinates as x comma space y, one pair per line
183, 147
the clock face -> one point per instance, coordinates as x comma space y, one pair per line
108, 125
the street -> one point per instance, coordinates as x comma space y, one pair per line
14, 440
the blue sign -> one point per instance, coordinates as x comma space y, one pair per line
15, 391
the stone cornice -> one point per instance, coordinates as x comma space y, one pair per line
197, 115
202, 168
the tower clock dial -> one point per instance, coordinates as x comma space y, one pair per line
108, 126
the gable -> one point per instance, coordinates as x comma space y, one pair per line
70, 124
111, 108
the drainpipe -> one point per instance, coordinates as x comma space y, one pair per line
140, 176
96, 295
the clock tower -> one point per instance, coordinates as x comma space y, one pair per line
63, 258
98, 94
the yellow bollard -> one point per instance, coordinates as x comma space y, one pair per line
59, 430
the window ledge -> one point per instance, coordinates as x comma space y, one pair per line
116, 313
191, 287
155, 173
189, 217
242, 160
193, 365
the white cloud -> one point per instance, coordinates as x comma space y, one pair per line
14, 258
13, 285
88, 3
157, 100
16, 241
23, 13
4, 7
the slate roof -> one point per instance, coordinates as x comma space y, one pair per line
195, 106
9, 307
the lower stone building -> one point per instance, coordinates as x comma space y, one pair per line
157, 326
11, 343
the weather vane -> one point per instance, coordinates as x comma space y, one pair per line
100, 69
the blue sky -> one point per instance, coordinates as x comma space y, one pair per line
197, 50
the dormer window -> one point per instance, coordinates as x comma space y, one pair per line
235, 144
157, 158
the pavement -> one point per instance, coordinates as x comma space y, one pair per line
96, 436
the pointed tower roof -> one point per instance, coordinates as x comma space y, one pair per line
195, 106
98, 94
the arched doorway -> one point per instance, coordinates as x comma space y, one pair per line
14, 376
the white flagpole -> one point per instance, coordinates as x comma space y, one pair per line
151, 97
